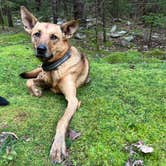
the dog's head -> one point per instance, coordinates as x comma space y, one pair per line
50, 40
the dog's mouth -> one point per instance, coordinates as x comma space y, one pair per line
44, 57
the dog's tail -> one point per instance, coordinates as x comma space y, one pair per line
3, 101
32, 74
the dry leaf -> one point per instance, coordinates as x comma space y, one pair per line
10, 133
143, 148
138, 163
73, 134
134, 163
146, 149
129, 163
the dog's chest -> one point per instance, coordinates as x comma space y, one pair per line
50, 78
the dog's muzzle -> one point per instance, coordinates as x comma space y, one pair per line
41, 52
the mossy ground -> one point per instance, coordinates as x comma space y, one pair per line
120, 106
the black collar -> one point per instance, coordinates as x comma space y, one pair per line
54, 65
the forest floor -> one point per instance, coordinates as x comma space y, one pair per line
124, 103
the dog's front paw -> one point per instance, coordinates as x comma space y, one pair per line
35, 92
58, 151
38, 92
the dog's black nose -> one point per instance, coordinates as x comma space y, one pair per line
41, 49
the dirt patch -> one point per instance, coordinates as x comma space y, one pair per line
21, 116
3, 125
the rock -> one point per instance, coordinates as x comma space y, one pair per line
155, 36
91, 20
80, 36
145, 48
128, 23
124, 43
117, 20
113, 29
129, 38
18, 22
60, 21
118, 34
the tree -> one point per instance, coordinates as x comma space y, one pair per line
154, 20
6, 13
38, 4
1, 15
78, 10
97, 17
9, 16
104, 21
54, 9
115, 9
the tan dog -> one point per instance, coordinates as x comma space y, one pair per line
63, 70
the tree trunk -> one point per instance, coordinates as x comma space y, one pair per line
96, 29
2, 22
150, 36
8, 13
78, 7
65, 9
9, 17
38, 4
54, 10
104, 22
115, 9
1, 17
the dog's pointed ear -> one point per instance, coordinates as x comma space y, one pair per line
28, 19
69, 28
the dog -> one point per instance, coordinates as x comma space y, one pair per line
63, 70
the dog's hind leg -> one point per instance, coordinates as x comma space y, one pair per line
58, 149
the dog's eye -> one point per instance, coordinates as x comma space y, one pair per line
37, 34
53, 37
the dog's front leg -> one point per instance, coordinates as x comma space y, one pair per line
58, 149
33, 87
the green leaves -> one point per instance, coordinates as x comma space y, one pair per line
155, 19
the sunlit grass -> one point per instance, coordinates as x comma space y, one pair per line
121, 105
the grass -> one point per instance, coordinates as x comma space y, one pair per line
131, 56
120, 106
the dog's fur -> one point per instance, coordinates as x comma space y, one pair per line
69, 75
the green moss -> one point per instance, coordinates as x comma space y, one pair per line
120, 106
156, 53
128, 57
12, 39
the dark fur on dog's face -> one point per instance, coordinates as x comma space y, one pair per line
50, 40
